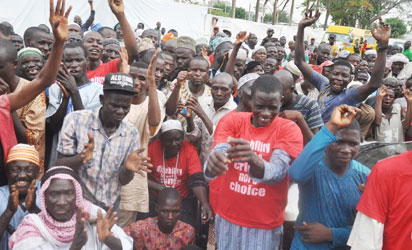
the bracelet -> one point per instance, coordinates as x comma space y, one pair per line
382, 48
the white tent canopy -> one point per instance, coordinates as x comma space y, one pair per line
187, 19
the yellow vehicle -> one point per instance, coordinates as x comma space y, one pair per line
346, 37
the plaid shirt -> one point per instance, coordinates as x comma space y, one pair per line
101, 175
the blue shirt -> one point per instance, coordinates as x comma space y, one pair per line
328, 100
324, 196
18, 215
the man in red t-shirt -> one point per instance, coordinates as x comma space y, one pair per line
92, 41
384, 219
252, 152
176, 164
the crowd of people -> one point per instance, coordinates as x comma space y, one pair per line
114, 138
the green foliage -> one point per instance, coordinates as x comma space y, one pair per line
398, 27
221, 9
283, 17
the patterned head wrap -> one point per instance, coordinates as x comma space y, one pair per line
24, 152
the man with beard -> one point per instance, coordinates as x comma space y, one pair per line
37, 38
165, 84
191, 83
253, 152
93, 43
333, 91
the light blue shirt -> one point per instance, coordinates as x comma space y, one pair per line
324, 196
18, 215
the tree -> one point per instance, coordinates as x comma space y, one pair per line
283, 17
221, 9
257, 9
361, 12
398, 27
232, 13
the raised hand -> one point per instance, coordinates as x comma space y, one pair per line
13, 199
151, 70
341, 117
382, 92
408, 95
381, 32
80, 234
240, 150
194, 105
309, 18
181, 77
67, 82
105, 223
137, 163
87, 152
30, 200
241, 37
117, 6
58, 20
124, 66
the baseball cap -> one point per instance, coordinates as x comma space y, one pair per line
119, 82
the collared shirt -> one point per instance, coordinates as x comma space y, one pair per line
101, 175
200, 135
391, 128
89, 92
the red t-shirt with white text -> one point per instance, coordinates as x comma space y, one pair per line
241, 200
171, 174
388, 199
98, 74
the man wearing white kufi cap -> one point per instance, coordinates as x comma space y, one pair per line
176, 164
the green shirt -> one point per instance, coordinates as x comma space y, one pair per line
408, 54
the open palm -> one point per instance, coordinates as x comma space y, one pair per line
381, 32
309, 18
58, 19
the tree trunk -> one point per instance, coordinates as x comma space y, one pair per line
274, 15
233, 11
292, 7
257, 10
326, 19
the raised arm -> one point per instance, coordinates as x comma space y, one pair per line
381, 32
240, 38
378, 105
302, 168
172, 101
300, 47
154, 107
89, 20
58, 21
117, 7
